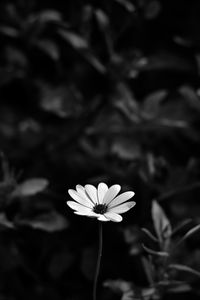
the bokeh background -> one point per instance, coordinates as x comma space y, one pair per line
95, 91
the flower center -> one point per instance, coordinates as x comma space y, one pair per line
100, 208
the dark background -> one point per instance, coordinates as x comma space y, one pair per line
94, 91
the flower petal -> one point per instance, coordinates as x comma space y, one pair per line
103, 218
121, 198
87, 213
113, 217
102, 189
76, 206
81, 191
120, 209
80, 199
92, 192
111, 193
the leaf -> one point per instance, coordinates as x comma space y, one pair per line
149, 234
126, 103
157, 253
161, 223
49, 48
191, 96
81, 45
30, 187
118, 285
180, 267
5, 222
137, 294
73, 39
164, 60
102, 19
51, 221
152, 103
50, 16
60, 263
181, 288
126, 148
181, 226
9, 31
152, 9
63, 101
189, 234
127, 5
88, 262
129, 295
149, 269
95, 62
16, 58
175, 286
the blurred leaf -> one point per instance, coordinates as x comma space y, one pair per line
149, 234
137, 294
102, 19
127, 5
118, 285
182, 41
50, 16
9, 31
60, 263
81, 45
5, 222
149, 270
63, 101
151, 104
180, 288
163, 60
152, 9
49, 48
161, 223
129, 295
191, 96
88, 262
51, 221
95, 62
125, 101
126, 148
73, 39
154, 252
8, 184
184, 268
189, 233
15, 58
181, 226
30, 187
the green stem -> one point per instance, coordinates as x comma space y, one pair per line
98, 261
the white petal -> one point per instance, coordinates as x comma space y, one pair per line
77, 197
76, 206
102, 189
120, 209
102, 218
81, 191
113, 217
111, 193
92, 192
121, 198
86, 213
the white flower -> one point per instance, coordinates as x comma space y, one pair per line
101, 203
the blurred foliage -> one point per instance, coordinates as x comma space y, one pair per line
97, 91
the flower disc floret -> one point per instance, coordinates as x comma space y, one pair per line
100, 209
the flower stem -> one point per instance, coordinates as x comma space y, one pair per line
98, 261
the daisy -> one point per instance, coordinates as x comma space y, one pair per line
102, 202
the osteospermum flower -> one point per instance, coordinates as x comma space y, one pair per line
102, 202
